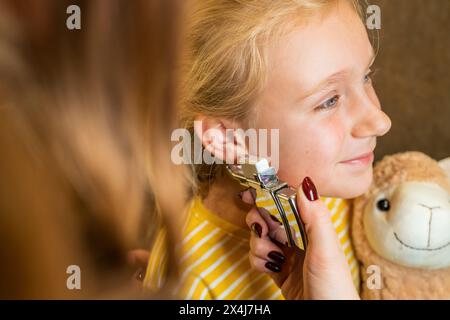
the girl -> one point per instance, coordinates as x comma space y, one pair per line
300, 66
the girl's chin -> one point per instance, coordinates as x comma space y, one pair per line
348, 185
343, 183
353, 186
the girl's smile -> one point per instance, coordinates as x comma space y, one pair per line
360, 161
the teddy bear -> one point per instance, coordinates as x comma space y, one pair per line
401, 229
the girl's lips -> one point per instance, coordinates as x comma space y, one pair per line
364, 159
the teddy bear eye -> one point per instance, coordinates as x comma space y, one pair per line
383, 205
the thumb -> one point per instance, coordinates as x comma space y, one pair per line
327, 269
316, 217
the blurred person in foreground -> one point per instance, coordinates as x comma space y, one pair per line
86, 117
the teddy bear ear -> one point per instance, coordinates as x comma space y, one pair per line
445, 164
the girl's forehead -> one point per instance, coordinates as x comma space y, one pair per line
333, 45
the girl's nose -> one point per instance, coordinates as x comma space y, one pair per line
371, 120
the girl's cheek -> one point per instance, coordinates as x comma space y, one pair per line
312, 153
306, 147
304, 163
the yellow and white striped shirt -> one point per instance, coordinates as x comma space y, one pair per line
215, 264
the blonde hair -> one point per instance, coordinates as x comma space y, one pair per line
227, 58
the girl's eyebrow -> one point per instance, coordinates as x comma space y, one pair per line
326, 83
332, 79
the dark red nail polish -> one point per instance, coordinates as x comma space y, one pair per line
257, 229
274, 219
274, 267
309, 189
277, 257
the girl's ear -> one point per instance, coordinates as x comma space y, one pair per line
219, 137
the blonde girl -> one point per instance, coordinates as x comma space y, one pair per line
303, 67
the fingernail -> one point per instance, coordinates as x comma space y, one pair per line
274, 219
278, 257
274, 267
257, 229
309, 189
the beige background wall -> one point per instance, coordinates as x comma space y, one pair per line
413, 80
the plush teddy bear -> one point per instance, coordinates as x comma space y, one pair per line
401, 229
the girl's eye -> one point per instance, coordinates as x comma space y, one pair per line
368, 77
330, 103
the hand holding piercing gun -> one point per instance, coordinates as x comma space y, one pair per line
263, 178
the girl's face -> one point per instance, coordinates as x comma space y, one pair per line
320, 96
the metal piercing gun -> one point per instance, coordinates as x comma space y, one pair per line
262, 177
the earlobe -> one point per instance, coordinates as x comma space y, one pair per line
218, 138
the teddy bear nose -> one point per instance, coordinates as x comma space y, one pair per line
430, 221
431, 208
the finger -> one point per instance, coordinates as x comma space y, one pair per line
326, 259
264, 248
317, 218
256, 223
249, 196
270, 219
260, 240
262, 217
264, 266
276, 228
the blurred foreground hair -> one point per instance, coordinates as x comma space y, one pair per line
85, 123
